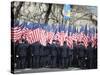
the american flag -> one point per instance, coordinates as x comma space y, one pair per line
85, 40
44, 36
69, 41
16, 33
94, 41
49, 37
61, 37
33, 36
74, 37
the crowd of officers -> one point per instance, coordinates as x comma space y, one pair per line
53, 55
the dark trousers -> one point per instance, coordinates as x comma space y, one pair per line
21, 62
53, 62
42, 61
29, 61
45, 61
90, 63
81, 62
64, 63
35, 61
48, 59
70, 64
75, 61
59, 61
95, 63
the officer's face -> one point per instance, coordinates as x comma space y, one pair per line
20, 41
54, 42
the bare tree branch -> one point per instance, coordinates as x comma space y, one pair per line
48, 13
18, 9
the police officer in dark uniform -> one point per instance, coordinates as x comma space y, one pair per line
30, 55
13, 56
16, 56
53, 52
90, 56
22, 48
58, 54
42, 56
81, 55
64, 54
47, 55
70, 63
36, 54
95, 57
75, 54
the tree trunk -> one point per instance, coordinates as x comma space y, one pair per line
48, 13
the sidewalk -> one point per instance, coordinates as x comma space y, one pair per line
19, 71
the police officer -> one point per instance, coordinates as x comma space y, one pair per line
47, 55
70, 63
42, 56
53, 52
58, 54
95, 57
81, 55
16, 55
21, 55
75, 54
13, 56
90, 55
30, 56
44, 59
64, 54
36, 54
